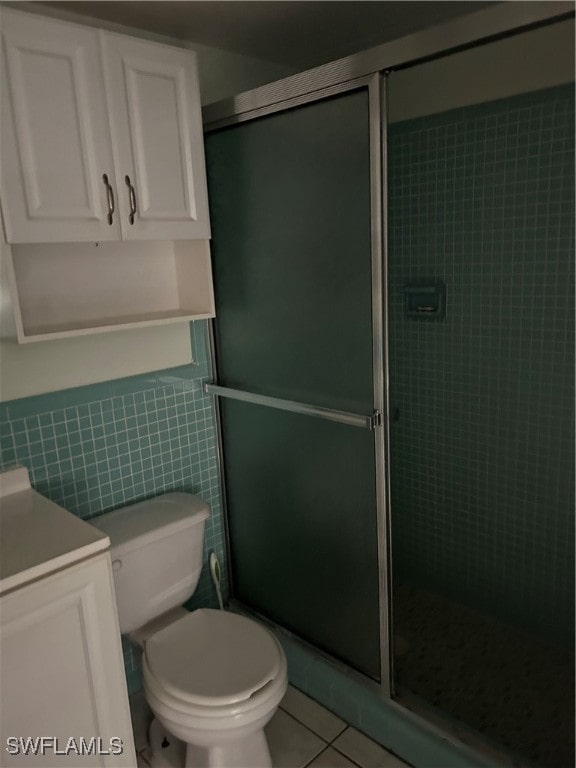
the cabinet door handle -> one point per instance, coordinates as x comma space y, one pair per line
110, 196
132, 195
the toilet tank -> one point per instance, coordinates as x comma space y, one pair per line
156, 549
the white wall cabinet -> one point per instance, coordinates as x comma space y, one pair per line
156, 123
101, 146
101, 136
61, 671
55, 138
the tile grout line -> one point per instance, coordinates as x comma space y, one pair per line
331, 746
346, 756
328, 744
346, 726
306, 725
316, 756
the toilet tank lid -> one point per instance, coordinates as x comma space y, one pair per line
139, 524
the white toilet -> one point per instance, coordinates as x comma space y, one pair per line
212, 678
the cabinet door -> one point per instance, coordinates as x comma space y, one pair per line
156, 123
56, 145
61, 673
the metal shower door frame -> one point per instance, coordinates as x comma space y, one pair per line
377, 421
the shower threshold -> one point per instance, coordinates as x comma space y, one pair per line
497, 755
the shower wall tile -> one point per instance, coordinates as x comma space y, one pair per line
483, 451
93, 449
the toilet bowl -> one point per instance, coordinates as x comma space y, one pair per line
212, 678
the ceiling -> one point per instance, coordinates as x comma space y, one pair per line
296, 34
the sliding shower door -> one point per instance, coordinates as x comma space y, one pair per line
291, 201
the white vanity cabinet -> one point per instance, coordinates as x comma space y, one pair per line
61, 669
101, 136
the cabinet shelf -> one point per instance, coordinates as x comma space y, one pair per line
66, 330
72, 289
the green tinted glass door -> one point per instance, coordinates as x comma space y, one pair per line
290, 204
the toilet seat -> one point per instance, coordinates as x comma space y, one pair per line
213, 660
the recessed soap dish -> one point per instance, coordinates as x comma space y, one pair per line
425, 300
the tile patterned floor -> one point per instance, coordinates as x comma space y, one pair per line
302, 734
508, 686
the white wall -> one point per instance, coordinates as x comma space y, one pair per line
224, 74
32, 369
528, 62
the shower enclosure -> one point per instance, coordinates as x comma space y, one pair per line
393, 263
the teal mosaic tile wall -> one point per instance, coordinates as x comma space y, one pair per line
483, 448
95, 448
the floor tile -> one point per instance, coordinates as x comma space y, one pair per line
331, 759
312, 715
291, 744
366, 752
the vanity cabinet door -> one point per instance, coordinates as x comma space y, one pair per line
62, 674
156, 124
57, 173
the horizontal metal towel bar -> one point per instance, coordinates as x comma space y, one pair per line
353, 419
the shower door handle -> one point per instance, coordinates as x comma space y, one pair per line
342, 417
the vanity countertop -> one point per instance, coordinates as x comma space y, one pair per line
37, 536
